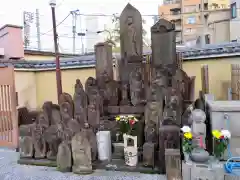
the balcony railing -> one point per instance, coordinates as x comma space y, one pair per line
175, 17
178, 28
171, 2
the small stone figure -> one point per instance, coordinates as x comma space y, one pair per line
136, 87
64, 157
125, 95
40, 145
168, 138
81, 152
80, 103
93, 115
91, 84
95, 98
131, 46
109, 90
199, 154
91, 136
26, 142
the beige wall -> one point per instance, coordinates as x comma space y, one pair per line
38, 57
25, 83
219, 74
46, 83
36, 88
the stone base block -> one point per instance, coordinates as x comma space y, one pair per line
119, 165
37, 162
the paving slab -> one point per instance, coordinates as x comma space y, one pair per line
10, 170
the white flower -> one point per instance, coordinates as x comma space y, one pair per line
186, 129
226, 133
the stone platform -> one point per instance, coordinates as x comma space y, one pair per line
11, 170
114, 165
195, 171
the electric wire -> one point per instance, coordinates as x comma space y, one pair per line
42, 34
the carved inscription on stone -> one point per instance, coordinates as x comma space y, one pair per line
81, 152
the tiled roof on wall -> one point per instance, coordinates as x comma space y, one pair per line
84, 61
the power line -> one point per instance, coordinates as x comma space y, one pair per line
149, 15
56, 25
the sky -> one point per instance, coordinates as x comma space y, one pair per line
11, 12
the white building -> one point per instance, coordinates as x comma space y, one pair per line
93, 36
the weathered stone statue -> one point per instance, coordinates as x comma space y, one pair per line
80, 103
136, 88
109, 90
65, 97
131, 44
124, 94
26, 142
91, 136
93, 115
64, 157
91, 84
153, 113
94, 98
81, 152
199, 132
168, 138
40, 144
131, 31
51, 133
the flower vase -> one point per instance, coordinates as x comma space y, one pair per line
104, 145
130, 152
187, 158
216, 163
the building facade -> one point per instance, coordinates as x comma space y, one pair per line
190, 18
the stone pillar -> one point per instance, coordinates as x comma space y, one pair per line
103, 55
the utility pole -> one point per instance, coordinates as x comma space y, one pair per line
38, 30
74, 19
55, 38
81, 37
203, 23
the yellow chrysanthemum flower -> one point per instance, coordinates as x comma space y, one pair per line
216, 134
117, 118
188, 135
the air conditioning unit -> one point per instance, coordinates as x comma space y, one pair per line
1, 51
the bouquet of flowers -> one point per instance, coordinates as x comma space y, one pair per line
220, 142
187, 139
128, 124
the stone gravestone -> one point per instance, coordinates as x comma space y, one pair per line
131, 47
163, 38
80, 103
131, 34
40, 144
64, 157
26, 148
103, 54
81, 152
173, 164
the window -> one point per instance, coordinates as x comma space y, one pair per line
176, 12
191, 20
233, 10
191, 8
190, 30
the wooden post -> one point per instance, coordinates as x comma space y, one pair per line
173, 164
205, 79
235, 81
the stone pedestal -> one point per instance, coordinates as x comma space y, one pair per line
202, 171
